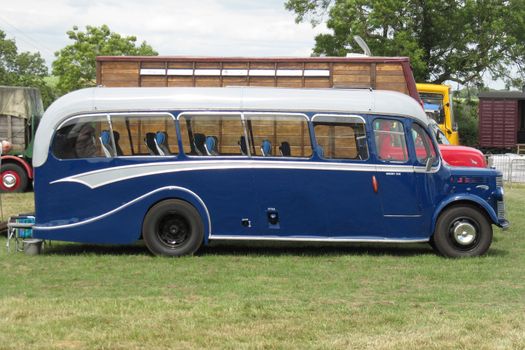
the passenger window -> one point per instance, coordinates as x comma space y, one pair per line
211, 134
278, 135
423, 144
141, 135
82, 137
341, 137
390, 140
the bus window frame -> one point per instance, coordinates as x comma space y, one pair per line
343, 116
74, 117
244, 121
139, 114
406, 128
108, 119
182, 151
432, 144
291, 114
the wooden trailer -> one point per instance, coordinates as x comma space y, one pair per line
501, 119
382, 73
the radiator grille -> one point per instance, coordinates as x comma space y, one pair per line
501, 210
499, 181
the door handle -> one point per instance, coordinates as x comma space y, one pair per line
375, 185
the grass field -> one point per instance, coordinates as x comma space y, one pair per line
273, 296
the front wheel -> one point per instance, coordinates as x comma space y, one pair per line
173, 228
462, 231
13, 178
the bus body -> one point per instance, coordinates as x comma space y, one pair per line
180, 167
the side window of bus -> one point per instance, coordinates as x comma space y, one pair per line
278, 135
81, 138
142, 135
341, 137
390, 140
423, 144
211, 134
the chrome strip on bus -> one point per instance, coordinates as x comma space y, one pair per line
98, 178
316, 239
125, 205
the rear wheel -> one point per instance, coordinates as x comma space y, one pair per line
13, 178
173, 228
462, 231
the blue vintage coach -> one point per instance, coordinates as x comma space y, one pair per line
180, 167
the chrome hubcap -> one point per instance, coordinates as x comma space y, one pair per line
9, 180
464, 233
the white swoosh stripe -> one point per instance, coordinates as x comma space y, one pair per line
98, 178
125, 205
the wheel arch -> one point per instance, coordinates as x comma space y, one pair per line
188, 196
8, 159
471, 200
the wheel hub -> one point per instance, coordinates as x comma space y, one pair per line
9, 180
173, 231
464, 233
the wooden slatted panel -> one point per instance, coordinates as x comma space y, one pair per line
153, 81
350, 75
119, 74
390, 77
179, 81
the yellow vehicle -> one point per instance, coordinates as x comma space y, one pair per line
438, 105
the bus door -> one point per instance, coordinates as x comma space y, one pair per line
395, 179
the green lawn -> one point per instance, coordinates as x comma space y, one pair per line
272, 296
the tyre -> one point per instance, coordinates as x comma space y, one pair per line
462, 231
13, 178
173, 228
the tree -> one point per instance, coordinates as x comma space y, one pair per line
445, 40
75, 64
23, 69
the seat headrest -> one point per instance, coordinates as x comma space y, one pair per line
105, 137
266, 148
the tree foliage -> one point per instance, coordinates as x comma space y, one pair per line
446, 40
75, 64
23, 69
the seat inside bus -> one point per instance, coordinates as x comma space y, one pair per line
285, 149
198, 142
105, 141
266, 148
150, 143
243, 146
161, 143
211, 146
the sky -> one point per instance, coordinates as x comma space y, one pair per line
171, 27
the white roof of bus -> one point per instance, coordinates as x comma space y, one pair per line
100, 100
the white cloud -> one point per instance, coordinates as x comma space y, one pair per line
176, 27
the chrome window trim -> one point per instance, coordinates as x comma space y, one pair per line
138, 115
342, 116
319, 115
227, 113
291, 114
